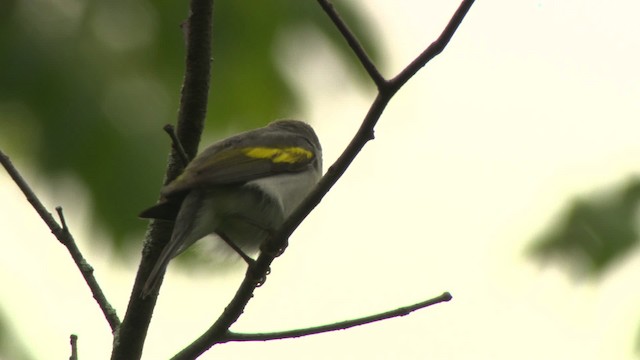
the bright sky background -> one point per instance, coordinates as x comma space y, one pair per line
533, 102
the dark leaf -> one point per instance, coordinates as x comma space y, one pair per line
594, 232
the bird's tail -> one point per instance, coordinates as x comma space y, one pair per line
155, 276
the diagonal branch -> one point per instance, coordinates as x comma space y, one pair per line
64, 236
177, 145
353, 42
435, 48
231, 336
256, 274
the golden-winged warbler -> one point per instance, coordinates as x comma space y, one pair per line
240, 188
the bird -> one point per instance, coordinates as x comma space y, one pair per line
241, 188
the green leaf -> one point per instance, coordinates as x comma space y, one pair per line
594, 232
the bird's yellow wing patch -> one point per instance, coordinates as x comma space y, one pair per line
289, 155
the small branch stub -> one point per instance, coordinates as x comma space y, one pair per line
73, 339
170, 129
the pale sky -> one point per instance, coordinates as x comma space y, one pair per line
532, 103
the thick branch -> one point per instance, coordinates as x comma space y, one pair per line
256, 274
193, 108
64, 236
231, 336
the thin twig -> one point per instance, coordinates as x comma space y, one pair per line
130, 338
353, 42
64, 236
63, 221
435, 48
169, 129
279, 238
232, 336
74, 347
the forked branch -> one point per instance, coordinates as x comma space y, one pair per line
63, 235
218, 332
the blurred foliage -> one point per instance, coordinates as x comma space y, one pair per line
10, 346
638, 342
594, 232
86, 86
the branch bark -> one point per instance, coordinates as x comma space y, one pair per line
129, 340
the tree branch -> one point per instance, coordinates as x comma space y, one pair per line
353, 42
231, 336
278, 240
64, 236
73, 339
130, 339
434, 49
